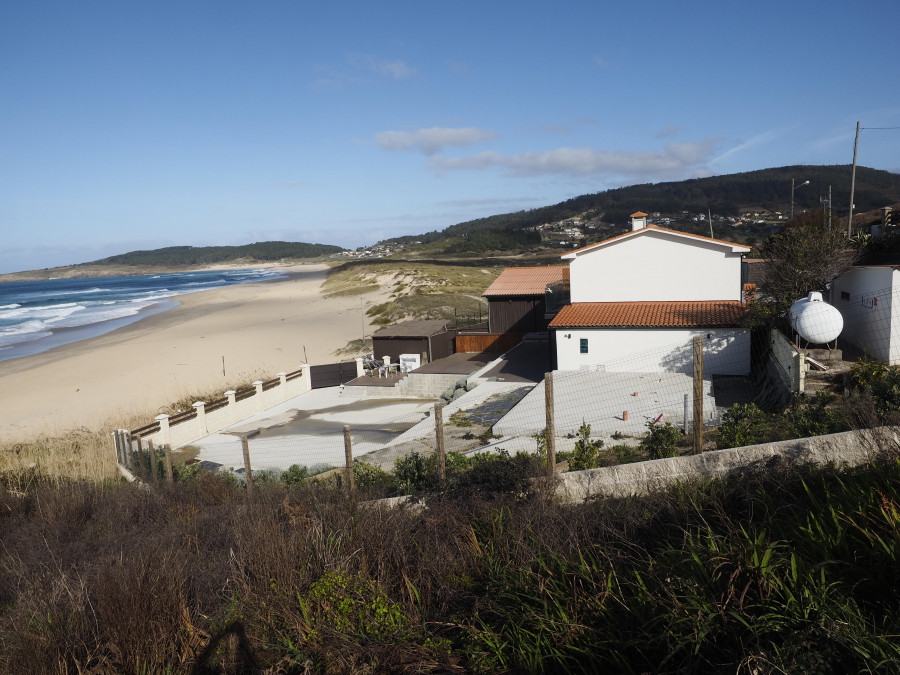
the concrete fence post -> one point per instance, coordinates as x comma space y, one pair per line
117, 441
200, 406
232, 411
360, 371
259, 394
165, 436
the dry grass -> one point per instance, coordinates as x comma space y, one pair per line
87, 453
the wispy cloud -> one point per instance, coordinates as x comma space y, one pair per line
601, 62
673, 161
759, 139
495, 201
397, 69
668, 131
432, 141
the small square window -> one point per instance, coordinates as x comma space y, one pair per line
584, 345
845, 295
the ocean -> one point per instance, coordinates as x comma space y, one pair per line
38, 315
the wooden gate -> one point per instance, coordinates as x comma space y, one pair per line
332, 374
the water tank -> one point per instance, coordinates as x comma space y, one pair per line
814, 320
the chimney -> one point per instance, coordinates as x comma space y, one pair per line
638, 220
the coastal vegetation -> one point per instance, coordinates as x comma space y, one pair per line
780, 569
418, 290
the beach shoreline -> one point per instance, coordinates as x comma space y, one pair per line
210, 341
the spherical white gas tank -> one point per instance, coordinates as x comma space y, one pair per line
814, 320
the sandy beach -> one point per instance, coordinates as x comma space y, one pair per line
259, 329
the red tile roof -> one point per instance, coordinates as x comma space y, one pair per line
522, 281
638, 214
708, 314
653, 228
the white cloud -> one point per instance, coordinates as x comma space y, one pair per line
432, 141
673, 161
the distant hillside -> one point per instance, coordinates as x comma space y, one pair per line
266, 251
728, 195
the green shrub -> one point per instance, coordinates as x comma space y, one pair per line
878, 379
810, 417
295, 474
661, 440
742, 424
372, 478
415, 472
587, 451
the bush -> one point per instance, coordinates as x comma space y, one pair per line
373, 479
810, 417
586, 453
661, 440
742, 424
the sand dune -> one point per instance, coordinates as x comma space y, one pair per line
258, 329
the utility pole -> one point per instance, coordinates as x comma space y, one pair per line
852, 185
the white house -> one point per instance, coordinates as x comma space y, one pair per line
638, 300
868, 297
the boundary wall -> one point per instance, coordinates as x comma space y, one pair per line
849, 448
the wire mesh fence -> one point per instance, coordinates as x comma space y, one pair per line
618, 397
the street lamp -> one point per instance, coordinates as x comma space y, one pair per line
793, 187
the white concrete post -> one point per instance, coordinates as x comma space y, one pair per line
259, 394
201, 416
360, 371
164, 434
232, 405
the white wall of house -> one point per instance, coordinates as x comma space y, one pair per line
867, 298
656, 266
726, 351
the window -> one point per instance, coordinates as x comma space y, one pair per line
584, 345
845, 295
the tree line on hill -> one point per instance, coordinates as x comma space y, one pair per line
205, 255
729, 195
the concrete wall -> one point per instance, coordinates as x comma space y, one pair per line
850, 448
656, 266
789, 363
866, 297
209, 423
726, 351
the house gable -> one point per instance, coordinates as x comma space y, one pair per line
656, 264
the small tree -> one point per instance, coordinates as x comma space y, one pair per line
805, 256
661, 440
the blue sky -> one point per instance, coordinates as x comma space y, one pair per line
128, 125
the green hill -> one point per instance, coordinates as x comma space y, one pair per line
266, 251
728, 195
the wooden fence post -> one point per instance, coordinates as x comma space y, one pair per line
169, 473
698, 395
152, 454
439, 442
348, 458
245, 446
140, 454
550, 432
